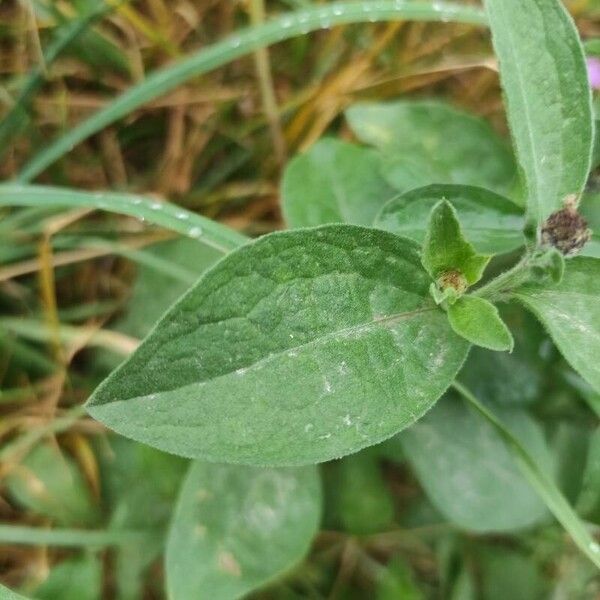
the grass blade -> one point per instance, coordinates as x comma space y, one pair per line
16, 118
545, 487
36, 536
164, 214
245, 42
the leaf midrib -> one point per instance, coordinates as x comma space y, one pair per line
388, 321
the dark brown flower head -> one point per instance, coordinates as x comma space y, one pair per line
566, 230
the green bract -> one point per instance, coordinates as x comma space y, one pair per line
235, 528
479, 322
447, 256
299, 347
490, 222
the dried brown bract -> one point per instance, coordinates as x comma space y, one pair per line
454, 280
566, 230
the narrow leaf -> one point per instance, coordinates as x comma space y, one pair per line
467, 471
235, 528
164, 214
334, 182
445, 250
277, 355
490, 222
543, 74
540, 480
479, 322
570, 311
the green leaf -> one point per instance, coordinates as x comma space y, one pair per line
239, 44
154, 291
398, 581
467, 471
278, 354
544, 77
140, 487
49, 483
514, 379
137, 500
524, 583
334, 182
235, 528
428, 142
74, 579
537, 475
570, 311
362, 500
570, 443
6, 594
446, 252
490, 222
479, 322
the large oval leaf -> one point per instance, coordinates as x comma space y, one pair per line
489, 221
236, 527
300, 347
429, 142
548, 102
468, 472
570, 311
334, 182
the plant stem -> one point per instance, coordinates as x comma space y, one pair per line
539, 480
36, 536
504, 283
267, 87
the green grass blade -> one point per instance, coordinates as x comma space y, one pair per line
37, 536
240, 44
16, 119
540, 482
164, 214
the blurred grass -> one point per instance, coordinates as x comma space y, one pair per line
216, 145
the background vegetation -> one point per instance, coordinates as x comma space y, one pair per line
80, 287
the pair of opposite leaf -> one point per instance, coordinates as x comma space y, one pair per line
455, 266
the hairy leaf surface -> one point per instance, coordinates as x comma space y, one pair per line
478, 321
543, 73
297, 348
468, 472
236, 527
429, 142
334, 182
570, 311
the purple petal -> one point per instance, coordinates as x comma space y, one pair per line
593, 67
